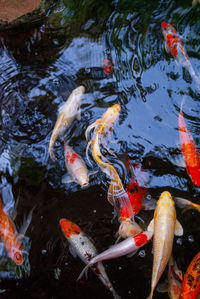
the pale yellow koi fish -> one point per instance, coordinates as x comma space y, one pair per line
67, 114
116, 193
164, 226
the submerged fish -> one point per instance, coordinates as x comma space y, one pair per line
85, 250
190, 287
76, 167
174, 45
184, 203
164, 226
189, 151
130, 245
67, 114
117, 196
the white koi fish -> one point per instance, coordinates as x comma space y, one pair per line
85, 250
67, 114
164, 226
130, 245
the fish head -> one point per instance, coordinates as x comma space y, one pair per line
128, 229
82, 178
111, 115
69, 228
79, 91
168, 30
165, 203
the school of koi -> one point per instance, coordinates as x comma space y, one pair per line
126, 202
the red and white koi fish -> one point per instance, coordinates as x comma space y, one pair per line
76, 167
174, 45
164, 226
130, 245
67, 114
189, 151
190, 288
174, 280
9, 236
85, 250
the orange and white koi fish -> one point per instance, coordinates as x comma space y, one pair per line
174, 45
116, 193
76, 167
164, 226
85, 249
67, 114
189, 151
130, 245
190, 288
9, 236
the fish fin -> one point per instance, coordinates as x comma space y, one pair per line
178, 229
66, 179
92, 172
78, 115
166, 47
87, 155
149, 204
182, 202
84, 271
25, 224
132, 253
150, 227
52, 155
118, 238
72, 251
162, 287
89, 128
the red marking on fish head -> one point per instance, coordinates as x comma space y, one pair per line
140, 239
164, 25
73, 157
69, 228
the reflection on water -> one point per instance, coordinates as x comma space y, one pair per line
40, 66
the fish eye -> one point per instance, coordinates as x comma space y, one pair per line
18, 257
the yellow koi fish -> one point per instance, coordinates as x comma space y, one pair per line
67, 114
164, 226
116, 193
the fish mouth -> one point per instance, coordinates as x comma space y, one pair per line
84, 184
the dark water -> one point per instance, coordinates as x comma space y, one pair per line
40, 66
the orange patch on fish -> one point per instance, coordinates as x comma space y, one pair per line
69, 228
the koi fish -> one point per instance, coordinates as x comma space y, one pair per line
184, 203
130, 245
164, 225
76, 167
189, 151
174, 45
9, 236
117, 196
85, 250
67, 114
190, 287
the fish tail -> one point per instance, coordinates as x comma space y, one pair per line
84, 272
51, 154
151, 294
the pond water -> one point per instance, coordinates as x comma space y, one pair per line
40, 66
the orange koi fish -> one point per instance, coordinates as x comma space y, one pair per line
85, 249
190, 288
164, 226
9, 236
174, 45
189, 151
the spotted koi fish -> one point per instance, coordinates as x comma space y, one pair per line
189, 151
76, 167
190, 288
67, 114
174, 45
164, 226
86, 251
